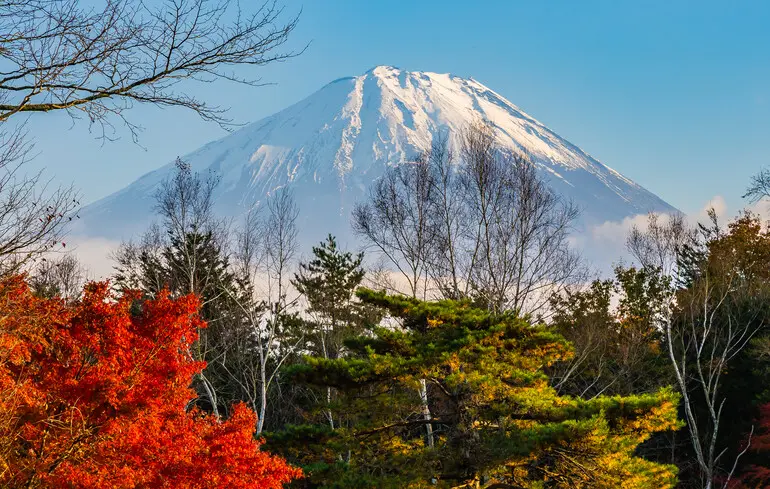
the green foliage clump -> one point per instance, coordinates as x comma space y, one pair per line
497, 422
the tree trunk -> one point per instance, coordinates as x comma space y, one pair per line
426, 411
262, 401
329, 414
210, 394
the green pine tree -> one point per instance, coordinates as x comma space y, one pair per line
333, 314
328, 283
496, 420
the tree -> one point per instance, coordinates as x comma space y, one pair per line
243, 285
519, 227
33, 218
328, 283
101, 60
265, 253
494, 231
618, 348
661, 243
62, 276
708, 328
498, 422
450, 264
486, 226
759, 187
396, 221
757, 472
186, 254
98, 60
94, 396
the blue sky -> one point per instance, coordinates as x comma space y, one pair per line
675, 95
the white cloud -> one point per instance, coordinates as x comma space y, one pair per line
615, 232
604, 244
94, 254
717, 203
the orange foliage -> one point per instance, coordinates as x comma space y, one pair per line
92, 396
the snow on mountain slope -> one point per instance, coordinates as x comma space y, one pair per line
330, 146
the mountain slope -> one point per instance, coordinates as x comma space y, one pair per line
330, 146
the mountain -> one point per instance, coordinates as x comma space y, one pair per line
330, 146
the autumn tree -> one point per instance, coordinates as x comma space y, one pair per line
93, 395
497, 422
185, 253
716, 311
615, 329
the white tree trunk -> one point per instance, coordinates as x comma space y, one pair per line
262, 401
329, 414
210, 394
426, 412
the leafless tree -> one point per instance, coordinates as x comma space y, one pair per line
33, 218
281, 245
702, 342
99, 60
759, 187
396, 221
659, 245
449, 264
60, 276
265, 253
520, 227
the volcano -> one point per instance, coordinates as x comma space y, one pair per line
332, 145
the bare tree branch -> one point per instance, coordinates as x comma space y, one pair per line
100, 61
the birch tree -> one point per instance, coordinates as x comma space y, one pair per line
708, 323
265, 255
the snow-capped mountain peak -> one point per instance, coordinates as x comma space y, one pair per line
330, 146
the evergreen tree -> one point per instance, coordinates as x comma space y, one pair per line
333, 313
197, 264
328, 283
497, 422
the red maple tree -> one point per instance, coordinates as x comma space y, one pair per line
93, 396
